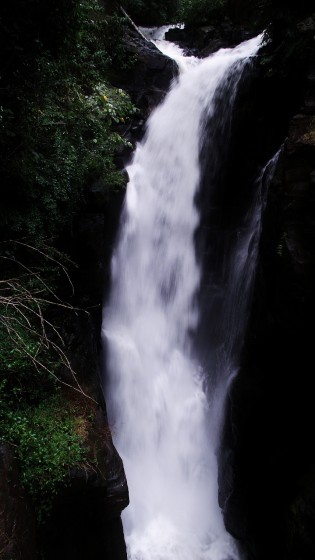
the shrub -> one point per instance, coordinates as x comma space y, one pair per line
47, 443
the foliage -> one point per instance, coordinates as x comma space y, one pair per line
152, 12
59, 122
201, 12
67, 140
48, 443
40, 425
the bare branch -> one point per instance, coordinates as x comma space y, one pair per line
23, 311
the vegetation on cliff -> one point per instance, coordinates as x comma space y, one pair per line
60, 121
58, 112
192, 12
255, 15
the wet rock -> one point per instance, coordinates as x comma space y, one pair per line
203, 41
85, 519
271, 412
147, 78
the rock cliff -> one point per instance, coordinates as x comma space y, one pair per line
268, 485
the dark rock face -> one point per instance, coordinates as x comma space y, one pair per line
147, 79
246, 141
268, 484
17, 522
203, 41
85, 520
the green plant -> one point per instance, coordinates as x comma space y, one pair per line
60, 122
62, 126
48, 444
152, 12
68, 138
46, 430
201, 12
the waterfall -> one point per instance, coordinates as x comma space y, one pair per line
157, 36
165, 424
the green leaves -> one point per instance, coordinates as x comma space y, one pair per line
46, 431
48, 443
60, 128
152, 12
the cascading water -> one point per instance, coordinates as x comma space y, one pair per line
157, 36
165, 426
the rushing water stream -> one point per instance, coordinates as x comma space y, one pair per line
165, 424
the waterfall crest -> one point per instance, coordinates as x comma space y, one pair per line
164, 425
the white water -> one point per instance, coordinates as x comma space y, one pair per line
157, 36
164, 425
